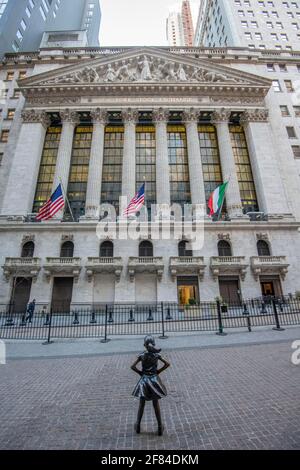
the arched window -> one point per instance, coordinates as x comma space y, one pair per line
145, 249
224, 248
107, 250
27, 250
67, 250
263, 248
183, 250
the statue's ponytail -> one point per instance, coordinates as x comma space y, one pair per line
149, 343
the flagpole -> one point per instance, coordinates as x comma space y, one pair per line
66, 197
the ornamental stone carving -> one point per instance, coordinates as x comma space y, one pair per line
99, 115
144, 68
262, 236
191, 115
221, 115
160, 115
255, 115
34, 117
28, 238
130, 115
224, 236
67, 238
67, 115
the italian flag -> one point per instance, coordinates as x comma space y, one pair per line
216, 199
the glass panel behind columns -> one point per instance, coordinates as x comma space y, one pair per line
47, 168
243, 169
79, 170
210, 156
146, 162
111, 187
178, 165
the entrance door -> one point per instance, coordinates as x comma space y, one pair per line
230, 291
20, 294
270, 286
267, 288
188, 290
62, 294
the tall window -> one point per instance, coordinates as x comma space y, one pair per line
212, 173
146, 249
224, 248
79, 169
47, 168
243, 168
107, 250
178, 164
67, 250
27, 250
145, 162
112, 166
263, 248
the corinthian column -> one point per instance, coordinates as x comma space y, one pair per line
265, 167
160, 117
130, 117
233, 197
195, 162
21, 184
93, 194
69, 120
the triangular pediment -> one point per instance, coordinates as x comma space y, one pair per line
144, 66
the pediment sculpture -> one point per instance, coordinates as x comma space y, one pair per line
143, 69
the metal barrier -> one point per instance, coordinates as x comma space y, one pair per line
106, 320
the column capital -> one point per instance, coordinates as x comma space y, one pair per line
130, 115
160, 115
99, 115
221, 115
255, 115
191, 115
68, 115
32, 116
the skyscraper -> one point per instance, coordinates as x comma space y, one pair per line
180, 29
256, 24
22, 24
187, 23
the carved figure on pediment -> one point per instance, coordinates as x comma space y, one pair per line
123, 73
90, 75
197, 75
171, 72
181, 74
110, 75
159, 71
211, 76
146, 72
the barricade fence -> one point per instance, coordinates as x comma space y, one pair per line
106, 320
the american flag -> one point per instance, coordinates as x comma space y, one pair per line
53, 205
136, 203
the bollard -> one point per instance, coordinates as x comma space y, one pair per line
47, 320
220, 332
76, 321
277, 327
131, 318
110, 319
105, 339
245, 311
150, 317
49, 331
93, 319
9, 321
23, 320
169, 317
263, 307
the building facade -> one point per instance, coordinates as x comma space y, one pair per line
180, 28
22, 24
102, 122
257, 24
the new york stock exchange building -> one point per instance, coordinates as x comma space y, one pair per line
183, 120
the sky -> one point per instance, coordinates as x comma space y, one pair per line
138, 22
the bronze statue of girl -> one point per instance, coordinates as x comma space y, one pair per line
149, 387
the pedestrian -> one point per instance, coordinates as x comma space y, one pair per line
30, 311
149, 387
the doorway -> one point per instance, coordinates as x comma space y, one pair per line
188, 290
230, 290
20, 294
270, 287
62, 294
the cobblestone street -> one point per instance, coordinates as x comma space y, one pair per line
244, 397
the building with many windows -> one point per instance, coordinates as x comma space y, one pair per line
22, 24
180, 28
257, 24
181, 119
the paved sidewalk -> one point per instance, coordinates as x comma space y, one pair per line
132, 344
228, 397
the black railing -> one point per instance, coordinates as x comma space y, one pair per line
106, 320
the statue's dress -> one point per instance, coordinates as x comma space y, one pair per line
149, 387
